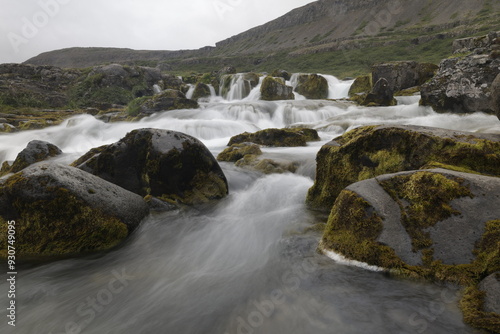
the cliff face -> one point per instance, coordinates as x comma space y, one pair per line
322, 26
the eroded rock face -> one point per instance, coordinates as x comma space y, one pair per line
62, 210
370, 151
170, 165
274, 89
463, 84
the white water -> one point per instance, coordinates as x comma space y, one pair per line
243, 266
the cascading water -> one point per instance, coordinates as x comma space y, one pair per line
243, 266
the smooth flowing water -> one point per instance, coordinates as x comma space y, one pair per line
246, 265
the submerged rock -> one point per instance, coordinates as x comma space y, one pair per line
61, 210
277, 137
266, 166
274, 89
239, 151
170, 165
312, 86
362, 85
433, 223
370, 151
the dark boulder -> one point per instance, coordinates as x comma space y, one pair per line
402, 75
380, 95
370, 151
281, 74
36, 151
169, 165
61, 210
495, 96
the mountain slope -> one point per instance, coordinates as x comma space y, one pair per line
307, 38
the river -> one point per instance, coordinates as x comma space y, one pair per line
247, 265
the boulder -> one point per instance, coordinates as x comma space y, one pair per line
201, 90
36, 151
312, 86
277, 137
362, 85
274, 89
281, 74
462, 84
490, 286
495, 95
167, 100
380, 95
238, 151
61, 210
402, 75
370, 151
169, 165
433, 223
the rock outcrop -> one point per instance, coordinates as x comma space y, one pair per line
381, 95
463, 84
370, 151
277, 137
61, 210
402, 75
312, 86
274, 89
167, 100
169, 165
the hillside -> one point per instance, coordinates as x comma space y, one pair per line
342, 37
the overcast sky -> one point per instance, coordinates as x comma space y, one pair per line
30, 27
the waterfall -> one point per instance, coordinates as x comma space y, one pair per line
190, 91
157, 89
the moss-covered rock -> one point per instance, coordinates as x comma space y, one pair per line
436, 224
380, 95
169, 165
495, 96
266, 166
169, 99
61, 210
35, 151
238, 151
370, 151
312, 86
274, 89
362, 85
281, 74
277, 137
201, 90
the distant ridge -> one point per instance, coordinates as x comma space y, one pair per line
319, 27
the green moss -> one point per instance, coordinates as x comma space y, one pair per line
471, 305
362, 84
312, 86
59, 225
367, 152
408, 92
352, 230
278, 137
238, 151
424, 199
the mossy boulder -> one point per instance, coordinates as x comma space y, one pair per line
370, 151
35, 151
312, 86
362, 85
169, 99
201, 90
61, 210
274, 89
169, 165
381, 95
436, 224
238, 151
281, 74
277, 137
